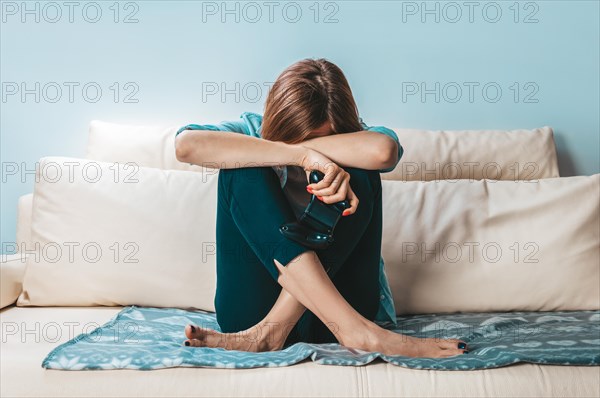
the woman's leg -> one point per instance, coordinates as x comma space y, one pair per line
347, 303
304, 277
253, 311
357, 279
354, 256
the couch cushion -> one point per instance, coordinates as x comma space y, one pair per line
428, 155
145, 145
23, 352
23, 234
128, 236
475, 154
484, 245
469, 221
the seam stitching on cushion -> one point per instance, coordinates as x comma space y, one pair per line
363, 370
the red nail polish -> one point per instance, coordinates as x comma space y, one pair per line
309, 189
345, 212
320, 198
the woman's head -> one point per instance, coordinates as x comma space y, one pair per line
309, 98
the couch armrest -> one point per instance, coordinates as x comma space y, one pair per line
12, 270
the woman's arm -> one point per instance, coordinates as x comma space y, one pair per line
362, 149
228, 150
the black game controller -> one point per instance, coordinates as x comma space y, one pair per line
314, 228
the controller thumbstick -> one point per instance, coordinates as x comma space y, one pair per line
315, 176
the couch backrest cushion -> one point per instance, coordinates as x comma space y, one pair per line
145, 145
475, 154
493, 245
106, 235
23, 233
428, 155
448, 245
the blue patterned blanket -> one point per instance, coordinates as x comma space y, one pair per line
148, 338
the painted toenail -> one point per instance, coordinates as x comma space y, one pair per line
462, 345
193, 328
465, 352
187, 343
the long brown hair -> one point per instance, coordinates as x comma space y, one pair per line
305, 96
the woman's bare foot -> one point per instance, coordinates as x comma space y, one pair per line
372, 338
377, 339
258, 338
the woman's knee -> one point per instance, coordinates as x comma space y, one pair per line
364, 182
248, 175
247, 184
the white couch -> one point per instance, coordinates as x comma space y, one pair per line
46, 304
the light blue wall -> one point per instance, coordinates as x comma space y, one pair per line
176, 49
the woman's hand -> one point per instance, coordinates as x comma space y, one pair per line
335, 185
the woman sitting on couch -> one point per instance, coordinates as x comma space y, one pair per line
265, 281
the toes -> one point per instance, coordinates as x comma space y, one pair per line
451, 352
190, 331
462, 345
450, 344
195, 332
193, 343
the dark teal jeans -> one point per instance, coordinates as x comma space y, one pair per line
251, 207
